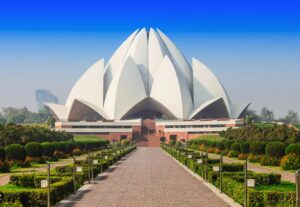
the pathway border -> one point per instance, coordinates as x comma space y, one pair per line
87, 186
215, 190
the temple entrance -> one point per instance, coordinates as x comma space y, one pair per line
147, 136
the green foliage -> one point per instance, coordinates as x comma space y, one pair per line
232, 167
4, 166
34, 149
267, 160
233, 153
258, 148
220, 145
15, 152
236, 146
290, 162
22, 134
293, 148
228, 144
275, 149
245, 147
2, 154
48, 149
271, 133
8, 204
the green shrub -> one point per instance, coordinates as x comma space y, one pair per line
220, 145
293, 148
267, 160
2, 154
275, 149
245, 147
232, 167
4, 167
258, 148
290, 162
233, 153
15, 152
34, 149
236, 147
254, 157
48, 149
228, 144
8, 204
38, 197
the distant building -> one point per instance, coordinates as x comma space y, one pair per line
44, 96
148, 90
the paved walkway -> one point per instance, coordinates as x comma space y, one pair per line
148, 178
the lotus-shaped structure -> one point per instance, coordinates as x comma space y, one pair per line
147, 75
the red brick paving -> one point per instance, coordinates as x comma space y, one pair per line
147, 178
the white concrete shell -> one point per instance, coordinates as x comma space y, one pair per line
147, 73
170, 90
89, 87
60, 112
210, 82
125, 91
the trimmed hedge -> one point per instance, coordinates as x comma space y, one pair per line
233, 183
245, 147
236, 146
48, 149
258, 148
34, 149
293, 148
15, 152
275, 149
61, 183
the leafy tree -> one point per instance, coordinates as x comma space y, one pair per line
292, 117
252, 116
267, 115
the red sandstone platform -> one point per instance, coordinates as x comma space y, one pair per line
147, 178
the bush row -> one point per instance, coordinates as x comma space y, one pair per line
272, 153
233, 183
61, 182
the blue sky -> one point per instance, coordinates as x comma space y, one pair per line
252, 46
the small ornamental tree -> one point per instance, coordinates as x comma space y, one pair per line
34, 149
15, 152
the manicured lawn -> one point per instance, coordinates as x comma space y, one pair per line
282, 187
297, 126
87, 138
211, 137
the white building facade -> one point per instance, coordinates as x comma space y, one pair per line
147, 78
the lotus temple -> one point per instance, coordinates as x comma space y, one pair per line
148, 90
